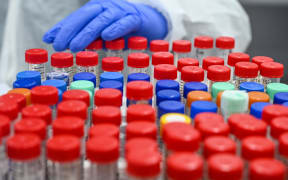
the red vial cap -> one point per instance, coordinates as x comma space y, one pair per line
62, 60
23, 147
117, 44
257, 147
47, 95
78, 95
261, 59
107, 114
283, 144
87, 58
162, 58
236, 57
141, 129
137, 43
68, 125
43, 112
139, 90
266, 168
234, 119
141, 143
142, 112
9, 108
20, 99
187, 62
272, 69
4, 125
203, 42
219, 144
112, 64
31, 126
104, 129
159, 45
250, 127
63, 148
211, 60
138, 60
108, 97
246, 70
95, 45
72, 108
279, 125
218, 73
272, 111
207, 117
181, 137
184, 166
192, 73
102, 149
143, 164
36, 56
225, 42
213, 129
225, 167
181, 46
165, 71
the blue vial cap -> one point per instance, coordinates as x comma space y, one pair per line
111, 84
202, 106
33, 75
111, 76
257, 108
138, 77
24, 83
85, 76
60, 95
280, 98
194, 86
167, 84
251, 86
60, 84
170, 107
285, 104
167, 95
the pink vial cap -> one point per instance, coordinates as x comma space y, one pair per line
272, 69
107, 114
36, 56
68, 125
236, 57
43, 112
272, 111
78, 95
187, 62
138, 60
31, 126
218, 73
213, 129
261, 59
141, 129
192, 73
165, 71
219, 144
225, 42
139, 90
87, 58
108, 97
159, 45
162, 58
47, 95
9, 108
104, 129
143, 112
4, 125
62, 60
211, 60
279, 125
112, 64
250, 127
283, 144
20, 99
181, 46
137, 43
117, 44
73, 108
95, 45
246, 70
203, 42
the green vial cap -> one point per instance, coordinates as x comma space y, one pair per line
221, 86
84, 85
273, 88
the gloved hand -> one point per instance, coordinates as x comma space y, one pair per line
109, 19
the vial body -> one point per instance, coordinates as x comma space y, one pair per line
4, 165
232, 75
284, 160
201, 54
65, 171
223, 53
40, 68
101, 55
65, 74
115, 53
266, 80
178, 56
91, 69
102, 171
239, 80
144, 101
138, 70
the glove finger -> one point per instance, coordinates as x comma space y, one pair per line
122, 27
93, 30
74, 24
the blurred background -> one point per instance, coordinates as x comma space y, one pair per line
269, 28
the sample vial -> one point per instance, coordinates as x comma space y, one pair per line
181, 49
86, 76
234, 101
225, 46
5, 133
274, 88
102, 159
202, 106
217, 73
138, 63
218, 144
87, 61
196, 96
137, 44
64, 160
167, 95
107, 114
164, 71
141, 129
245, 72
84, 85
167, 84
217, 167
159, 46
173, 117
24, 83
203, 45
108, 97
115, 48
10, 109
209, 61
255, 96
79, 95
97, 46
138, 77
272, 111
170, 106
213, 128
257, 108
24, 91
207, 117
37, 59
233, 120
220, 87
259, 60
271, 72
141, 112
233, 59
185, 62
59, 84
104, 129
280, 98
179, 166
139, 92
161, 58
112, 85
17, 98
278, 127
112, 64
29, 75
251, 86
141, 143
282, 148
62, 67
193, 86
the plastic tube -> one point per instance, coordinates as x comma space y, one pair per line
225, 46
217, 73
203, 45
181, 49
271, 72
37, 59
209, 61
245, 72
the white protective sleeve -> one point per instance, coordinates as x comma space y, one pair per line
190, 18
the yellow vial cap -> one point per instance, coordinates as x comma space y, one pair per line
173, 117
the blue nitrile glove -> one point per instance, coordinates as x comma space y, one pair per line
109, 19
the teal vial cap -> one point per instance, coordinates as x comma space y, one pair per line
273, 88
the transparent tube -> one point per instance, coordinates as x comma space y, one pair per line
205, 77
40, 68
232, 75
65, 171
223, 53
4, 165
266, 80
102, 171
178, 56
284, 160
101, 55
137, 51
239, 80
187, 110
201, 54
91, 69
27, 170
115, 53
144, 101
65, 74
138, 70
181, 89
